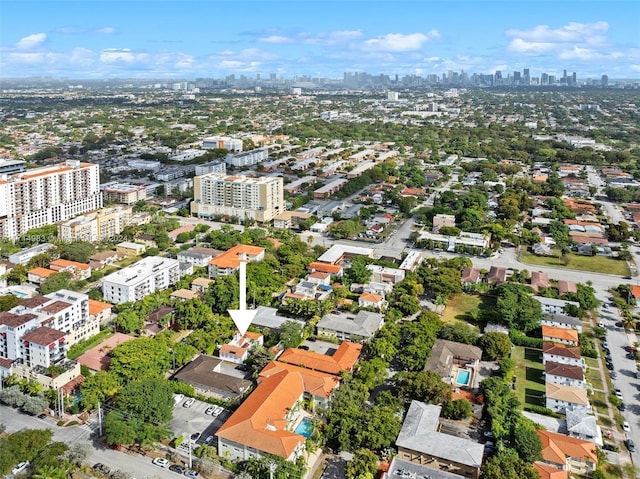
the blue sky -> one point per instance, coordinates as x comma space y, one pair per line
212, 38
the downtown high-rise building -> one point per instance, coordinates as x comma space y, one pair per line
47, 195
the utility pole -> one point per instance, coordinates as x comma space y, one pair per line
190, 458
99, 419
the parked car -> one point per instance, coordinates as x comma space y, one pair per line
20, 467
101, 468
313, 340
614, 375
189, 402
209, 440
608, 447
177, 468
210, 410
626, 427
609, 365
631, 445
42, 416
195, 436
622, 407
219, 410
191, 474
618, 393
178, 398
487, 434
160, 461
306, 348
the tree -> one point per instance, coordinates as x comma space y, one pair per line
8, 301
358, 272
77, 453
79, 251
55, 282
495, 345
119, 430
425, 386
192, 314
97, 388
456, 409
139, 358
17, 275
345, 229
364, 462
507, 465
516, 308
459, 332
34, 405
291, 334
128, 322
148, 400
372, 372
526, 442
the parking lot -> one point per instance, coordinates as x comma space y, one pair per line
190, 420
322, 347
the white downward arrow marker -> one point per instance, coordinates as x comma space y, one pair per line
243, 317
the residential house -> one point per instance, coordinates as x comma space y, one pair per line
421, 442
349, 327
567, 287
559, 353
288, 219
560, 398
228, 262
568, 453
343, 359
497, 275
237, 350
184, 294
562, 321
204, 374
127, 248
102, 259
583, 425
548, 471
448, 357
267, 317
99, 311
146, 239
201, 285
38, 275
539, 279
560, 335
370, 300
469, 277
79, 271
442, 220
566, 374
333, 269
554, 306
382, 274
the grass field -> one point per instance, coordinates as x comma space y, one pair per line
530, 387
459, 308
596, 264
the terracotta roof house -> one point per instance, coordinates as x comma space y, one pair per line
560, 353
228, 262
566, 374
317, 384
568, 453
99, 310
560, 398
237, 350
38, 275
497, 275
548, 471
334, 269
539, 279
79, 271
343, 359
470, 276
371, 300
265, 422
560, 335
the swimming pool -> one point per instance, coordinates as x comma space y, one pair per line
19, 294
463, 377
305, 428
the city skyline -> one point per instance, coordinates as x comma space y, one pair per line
169, 39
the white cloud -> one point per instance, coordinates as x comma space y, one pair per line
569, 33
588, 54
518, 45
239, 66
122, 55
277, 39
399, 42
31, 41
105, 30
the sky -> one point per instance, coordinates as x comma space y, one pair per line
169, 39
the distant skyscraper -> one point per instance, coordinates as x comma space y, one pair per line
574, 79
526, 76
517, 78
544, 79
604, 81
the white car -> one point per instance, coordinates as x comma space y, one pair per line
189, 402
20, 467
178, 398
160, 461
626, 427
618, 394
219, 410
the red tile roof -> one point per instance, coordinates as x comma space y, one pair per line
343, 359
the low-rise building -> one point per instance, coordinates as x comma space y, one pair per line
383, 274
420, 442
559, 353
237, 350
567, 374
559, 398
555, 306
25, 255
127, 248
78, 270
123, 193
562, 321
342, 360
568, 453
134, 282
349, 327
198, 256
228, 262
560, 335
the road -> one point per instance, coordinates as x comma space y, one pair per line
136, 465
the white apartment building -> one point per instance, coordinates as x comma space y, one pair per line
98, 226
248, 158
39, 330
25, 255
260, 199
134, 282
124, 193
47, 195
231, 144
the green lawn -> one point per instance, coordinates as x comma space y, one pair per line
460, 307
593, 363
530, 387
596, 264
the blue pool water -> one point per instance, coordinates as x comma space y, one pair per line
463, 376
19, 294
305, 428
